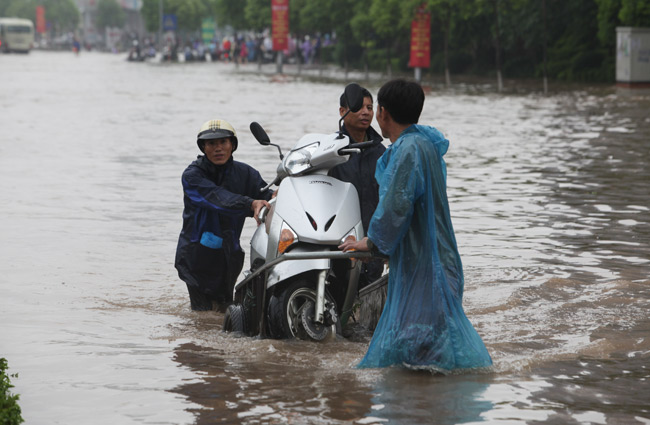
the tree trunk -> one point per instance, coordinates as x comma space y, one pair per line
320, 61
345, 59
299, 55
545, 46
446, 47
279, 62
498, 46
389, 68
366, 68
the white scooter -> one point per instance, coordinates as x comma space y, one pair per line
299, 284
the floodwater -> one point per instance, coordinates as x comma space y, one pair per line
549, 198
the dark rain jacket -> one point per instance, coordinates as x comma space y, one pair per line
217, 200
360, 171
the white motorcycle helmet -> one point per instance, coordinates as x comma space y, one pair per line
216, 129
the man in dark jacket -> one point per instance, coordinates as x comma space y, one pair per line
360, 171
219, 193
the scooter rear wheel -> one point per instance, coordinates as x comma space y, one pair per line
234, 319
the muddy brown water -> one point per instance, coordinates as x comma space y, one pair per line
549, 198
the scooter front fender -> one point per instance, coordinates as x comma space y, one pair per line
287, 269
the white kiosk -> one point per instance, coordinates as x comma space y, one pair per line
633, 57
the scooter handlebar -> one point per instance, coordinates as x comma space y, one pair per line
264, 211
347, 151
355, 147
268, 186
262, 214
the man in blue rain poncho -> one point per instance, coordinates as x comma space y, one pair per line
423, 324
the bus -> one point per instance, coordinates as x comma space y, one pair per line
16, 35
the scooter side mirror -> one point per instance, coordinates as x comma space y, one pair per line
260, 134
262, 137
353, 96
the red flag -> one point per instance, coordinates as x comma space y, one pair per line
280, 24
420, 39
40, 19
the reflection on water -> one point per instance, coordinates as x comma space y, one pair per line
548, 197
239, 390
271, 388
410, 397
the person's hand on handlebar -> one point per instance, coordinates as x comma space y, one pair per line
354, 245
256, 206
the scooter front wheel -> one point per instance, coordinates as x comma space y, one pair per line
291, 313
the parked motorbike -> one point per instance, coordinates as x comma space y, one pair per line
299, 284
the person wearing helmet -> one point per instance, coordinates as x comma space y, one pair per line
219, 193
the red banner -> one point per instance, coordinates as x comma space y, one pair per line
421, 39
40, 19
280, 24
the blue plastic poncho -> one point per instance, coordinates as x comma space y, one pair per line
423, 324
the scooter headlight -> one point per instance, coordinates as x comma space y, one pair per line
300, 160
287, 238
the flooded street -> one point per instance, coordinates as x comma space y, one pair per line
550, 199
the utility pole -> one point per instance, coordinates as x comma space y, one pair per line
278, 62
418, 74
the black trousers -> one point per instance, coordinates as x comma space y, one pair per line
223, 273
371, 271
200, 301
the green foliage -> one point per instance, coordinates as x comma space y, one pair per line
580, 35
635, 13
10, 413
315, 16
391, 30
342, 12
189, 13
63, 15
608, 11
151, 14
109, 14
386, 19
22, 9
258, 14
295, 23
4, 4
360, 26
574, 52
231, 12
